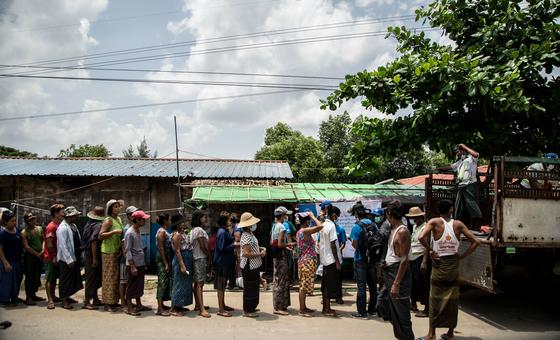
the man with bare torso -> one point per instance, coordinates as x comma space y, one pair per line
441, 237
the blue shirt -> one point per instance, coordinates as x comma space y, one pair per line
355, 236
341, 235
223, 254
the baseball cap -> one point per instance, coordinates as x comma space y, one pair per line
378, 211
325, 204
28, 216
282, 211
140, 214
130, 210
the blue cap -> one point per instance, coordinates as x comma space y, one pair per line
378, 211
325, 204
551, 155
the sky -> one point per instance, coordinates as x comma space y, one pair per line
218, 34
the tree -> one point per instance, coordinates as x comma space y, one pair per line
304, 154
142, 151
336, 140
493, 89
85, 150
8, 151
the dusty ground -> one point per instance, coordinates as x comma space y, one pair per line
482, 316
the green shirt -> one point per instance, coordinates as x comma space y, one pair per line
112, 244
34, 238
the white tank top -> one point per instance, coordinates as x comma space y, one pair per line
391, 256
448, 244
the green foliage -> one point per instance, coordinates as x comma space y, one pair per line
85, 150
142, 151
493, 89
304, 154
8, 151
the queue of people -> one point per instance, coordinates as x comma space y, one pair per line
417, 266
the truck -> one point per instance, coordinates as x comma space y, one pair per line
524, 241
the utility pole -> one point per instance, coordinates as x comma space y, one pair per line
177, 161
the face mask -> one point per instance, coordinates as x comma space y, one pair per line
550, 167
412, 221
253, 227
463, 156
378, 219
286, 219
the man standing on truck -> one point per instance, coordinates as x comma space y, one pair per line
532, 183
441, 237
466, 203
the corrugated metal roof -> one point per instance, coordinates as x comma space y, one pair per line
304, 192
122, 167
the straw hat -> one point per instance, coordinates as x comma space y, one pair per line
247, 220
110, 203
96, 214
415, 212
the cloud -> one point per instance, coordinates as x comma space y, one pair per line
84, 31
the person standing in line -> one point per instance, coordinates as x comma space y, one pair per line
110, 235
342, 238
331, 259
394, 297
51, 272
281, 291
69, 255
366, 259
201, 254
419, 262
11, 253
441, 238
236, 235
92, 249
135, 265
307, 261
164, 257
32, 237
123, 273
223, 261
250, 263
181, 293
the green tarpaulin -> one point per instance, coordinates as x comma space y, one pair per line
305, 192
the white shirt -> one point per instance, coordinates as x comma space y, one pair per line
328, 234
415, 246
391, 256
65, 242
534, 167
448, 244
466, 170
195, 234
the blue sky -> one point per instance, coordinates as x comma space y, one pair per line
34, 30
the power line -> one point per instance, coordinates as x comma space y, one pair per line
224, 38
187, 82
117, 108
70, 68
232, 48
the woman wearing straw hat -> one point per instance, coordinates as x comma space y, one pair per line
111, 235
419, 262
250, 263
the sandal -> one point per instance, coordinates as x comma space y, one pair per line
281, 312
228, 309
164, 313
144, 309
309, 310
225, 314
89, 307
305, 315
330, 314
67, 306
50, 305
250, 315
205, 315
176, 313
30, 302
133, 313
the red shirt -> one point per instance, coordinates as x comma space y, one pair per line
212, 242
51, 232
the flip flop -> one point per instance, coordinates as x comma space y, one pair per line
305, 315
250, 315
308, 310
5, 324
281, 312
175, 313
144, 309
207, 315
164, 313
50, 305
30, 302
228, 309
225, 314
89, 307
331, 314
67, 306
133, 313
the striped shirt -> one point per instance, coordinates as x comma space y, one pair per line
250, 240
